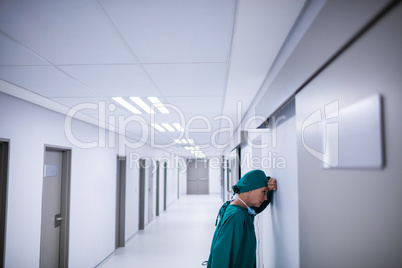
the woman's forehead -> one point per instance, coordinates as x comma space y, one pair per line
265, 188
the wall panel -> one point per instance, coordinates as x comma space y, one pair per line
351, 217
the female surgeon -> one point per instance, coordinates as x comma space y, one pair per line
234, 241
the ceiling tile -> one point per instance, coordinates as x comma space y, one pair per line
105, 107
161, 31
47, 81
173, 117
13, 53
164, 142
261, 30
114, 80
189, 79
198, 105
64, 32
185, 52
201, 139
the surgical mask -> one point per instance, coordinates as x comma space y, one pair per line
249, 209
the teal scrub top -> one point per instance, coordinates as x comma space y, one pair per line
234, 242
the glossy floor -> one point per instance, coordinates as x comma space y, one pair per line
180, 237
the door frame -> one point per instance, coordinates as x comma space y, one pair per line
65, 200
141, 219
4, 155
120, 201
165, 166
157, 187
150, 179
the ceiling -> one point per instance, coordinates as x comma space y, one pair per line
204, 59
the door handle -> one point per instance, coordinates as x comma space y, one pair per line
57, 220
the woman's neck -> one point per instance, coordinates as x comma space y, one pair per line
239, 203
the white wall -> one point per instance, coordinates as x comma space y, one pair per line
93, 189
147, 171
249, 153
171, 187
171, 182
277, 227
281, 218
325, 27
161, 186
246, 154
352, 217
182, 176
331, 221
93, 185
214, 176
132, 186
132, 197
154, 190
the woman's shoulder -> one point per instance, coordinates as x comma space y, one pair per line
235, 211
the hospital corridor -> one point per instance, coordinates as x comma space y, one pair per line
200, 133
181, 237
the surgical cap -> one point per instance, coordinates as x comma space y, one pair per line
250, 181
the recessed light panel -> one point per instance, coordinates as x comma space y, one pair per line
142, 104
158, 127
168, 127
158, 104
126, 105
178, 126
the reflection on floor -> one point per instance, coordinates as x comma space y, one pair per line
179, 237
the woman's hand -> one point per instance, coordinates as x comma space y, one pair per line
271, 184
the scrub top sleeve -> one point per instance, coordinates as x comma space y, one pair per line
227, 246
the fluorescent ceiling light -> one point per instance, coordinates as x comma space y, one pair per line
177, 141
168, 127
142, 104
191, 141
186, 148
199, 154
158, 104
126, 105
184, 141
178, 126
158, 127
